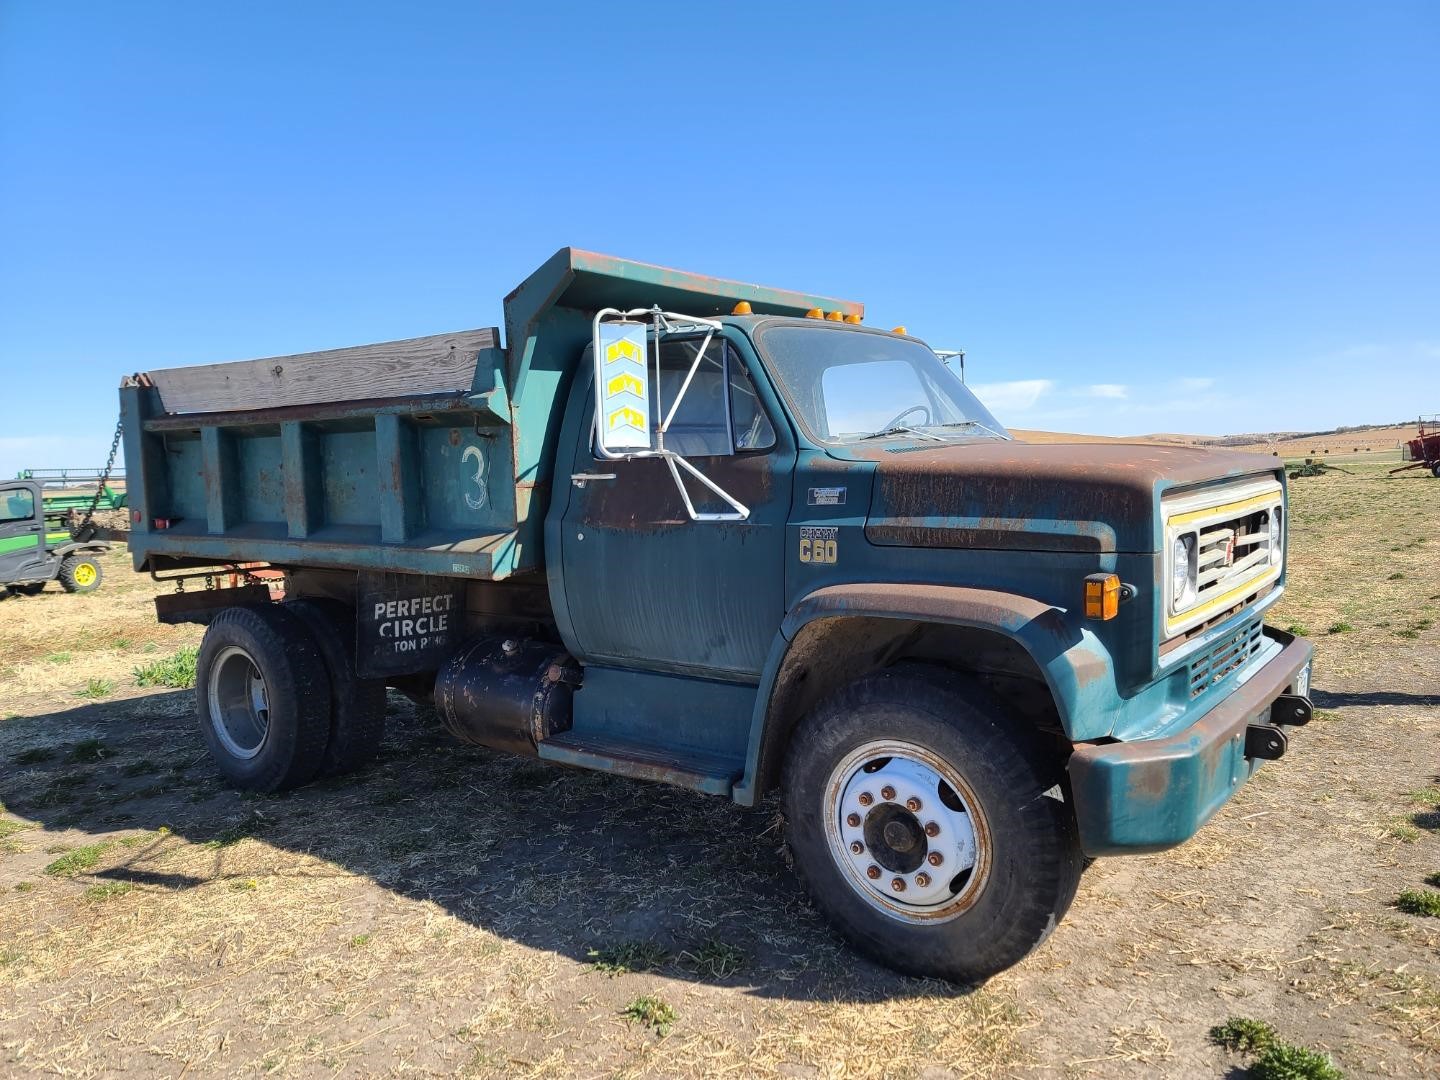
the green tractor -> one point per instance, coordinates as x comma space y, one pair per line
36, 544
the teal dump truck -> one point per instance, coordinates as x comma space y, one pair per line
731, 538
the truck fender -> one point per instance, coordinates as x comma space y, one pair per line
1074, 663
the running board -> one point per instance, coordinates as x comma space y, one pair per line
692, 769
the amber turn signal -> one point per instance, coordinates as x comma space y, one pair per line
742, 308
1102, 596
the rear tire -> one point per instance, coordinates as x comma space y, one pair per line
357, 706
263, 698
30, 588
80, 574
1435, 470
918, 819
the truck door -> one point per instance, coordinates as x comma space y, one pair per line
646, 586
22, 530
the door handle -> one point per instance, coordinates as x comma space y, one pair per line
580, 479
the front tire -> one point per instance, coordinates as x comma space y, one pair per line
80, 574
919, 821
263, 697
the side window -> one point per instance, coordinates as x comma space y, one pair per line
720, 413
701, 425
752, 426
17, 506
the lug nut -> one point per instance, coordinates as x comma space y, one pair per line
922, 880
898, 884
932, 829
912, 804
856, 847
873, 873
934, 858
887, 792
853, 821
866, 798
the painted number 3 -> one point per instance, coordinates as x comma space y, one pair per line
475, 500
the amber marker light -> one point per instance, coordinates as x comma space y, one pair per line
1102, 596
852, 318
742, 308
836, 316
900, 330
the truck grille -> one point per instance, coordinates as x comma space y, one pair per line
1229, 538
1230, 552
1227, 655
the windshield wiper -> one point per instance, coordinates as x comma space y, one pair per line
900, 429
973, 423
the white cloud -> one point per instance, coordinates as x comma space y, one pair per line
1108, 390
1017, 394
1196, 384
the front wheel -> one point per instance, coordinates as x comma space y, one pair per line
926, 824
80, 574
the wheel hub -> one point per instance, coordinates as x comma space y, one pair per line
908, 840
239, 702
895, 838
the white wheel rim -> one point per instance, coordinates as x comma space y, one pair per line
907, 831
239, 703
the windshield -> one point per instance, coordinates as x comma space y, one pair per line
848, 385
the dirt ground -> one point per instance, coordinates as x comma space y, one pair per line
444, 911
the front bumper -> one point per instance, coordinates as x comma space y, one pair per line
1151, 794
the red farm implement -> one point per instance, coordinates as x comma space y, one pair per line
1423, 451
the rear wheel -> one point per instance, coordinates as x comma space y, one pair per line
357, 706
263, 698
80, 574
1435, 470
30, 588
924, 824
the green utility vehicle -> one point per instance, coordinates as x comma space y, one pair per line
36, 545
728, 537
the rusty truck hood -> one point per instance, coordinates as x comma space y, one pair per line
1091, 497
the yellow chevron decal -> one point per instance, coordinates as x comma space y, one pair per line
623, 349
623, 383
625, 417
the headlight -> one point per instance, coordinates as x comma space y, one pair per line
1182, 574
1276, 548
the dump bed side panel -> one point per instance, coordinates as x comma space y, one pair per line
313, 460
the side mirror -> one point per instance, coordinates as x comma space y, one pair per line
622, 387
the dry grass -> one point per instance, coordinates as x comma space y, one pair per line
452, 911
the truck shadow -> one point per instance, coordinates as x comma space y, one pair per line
1326, 699
572, 862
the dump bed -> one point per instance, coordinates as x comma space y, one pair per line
429, 456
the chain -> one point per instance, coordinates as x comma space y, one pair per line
86, 523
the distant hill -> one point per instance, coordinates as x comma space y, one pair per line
1360, 439
1069, 436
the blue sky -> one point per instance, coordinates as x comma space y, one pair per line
1134, 217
